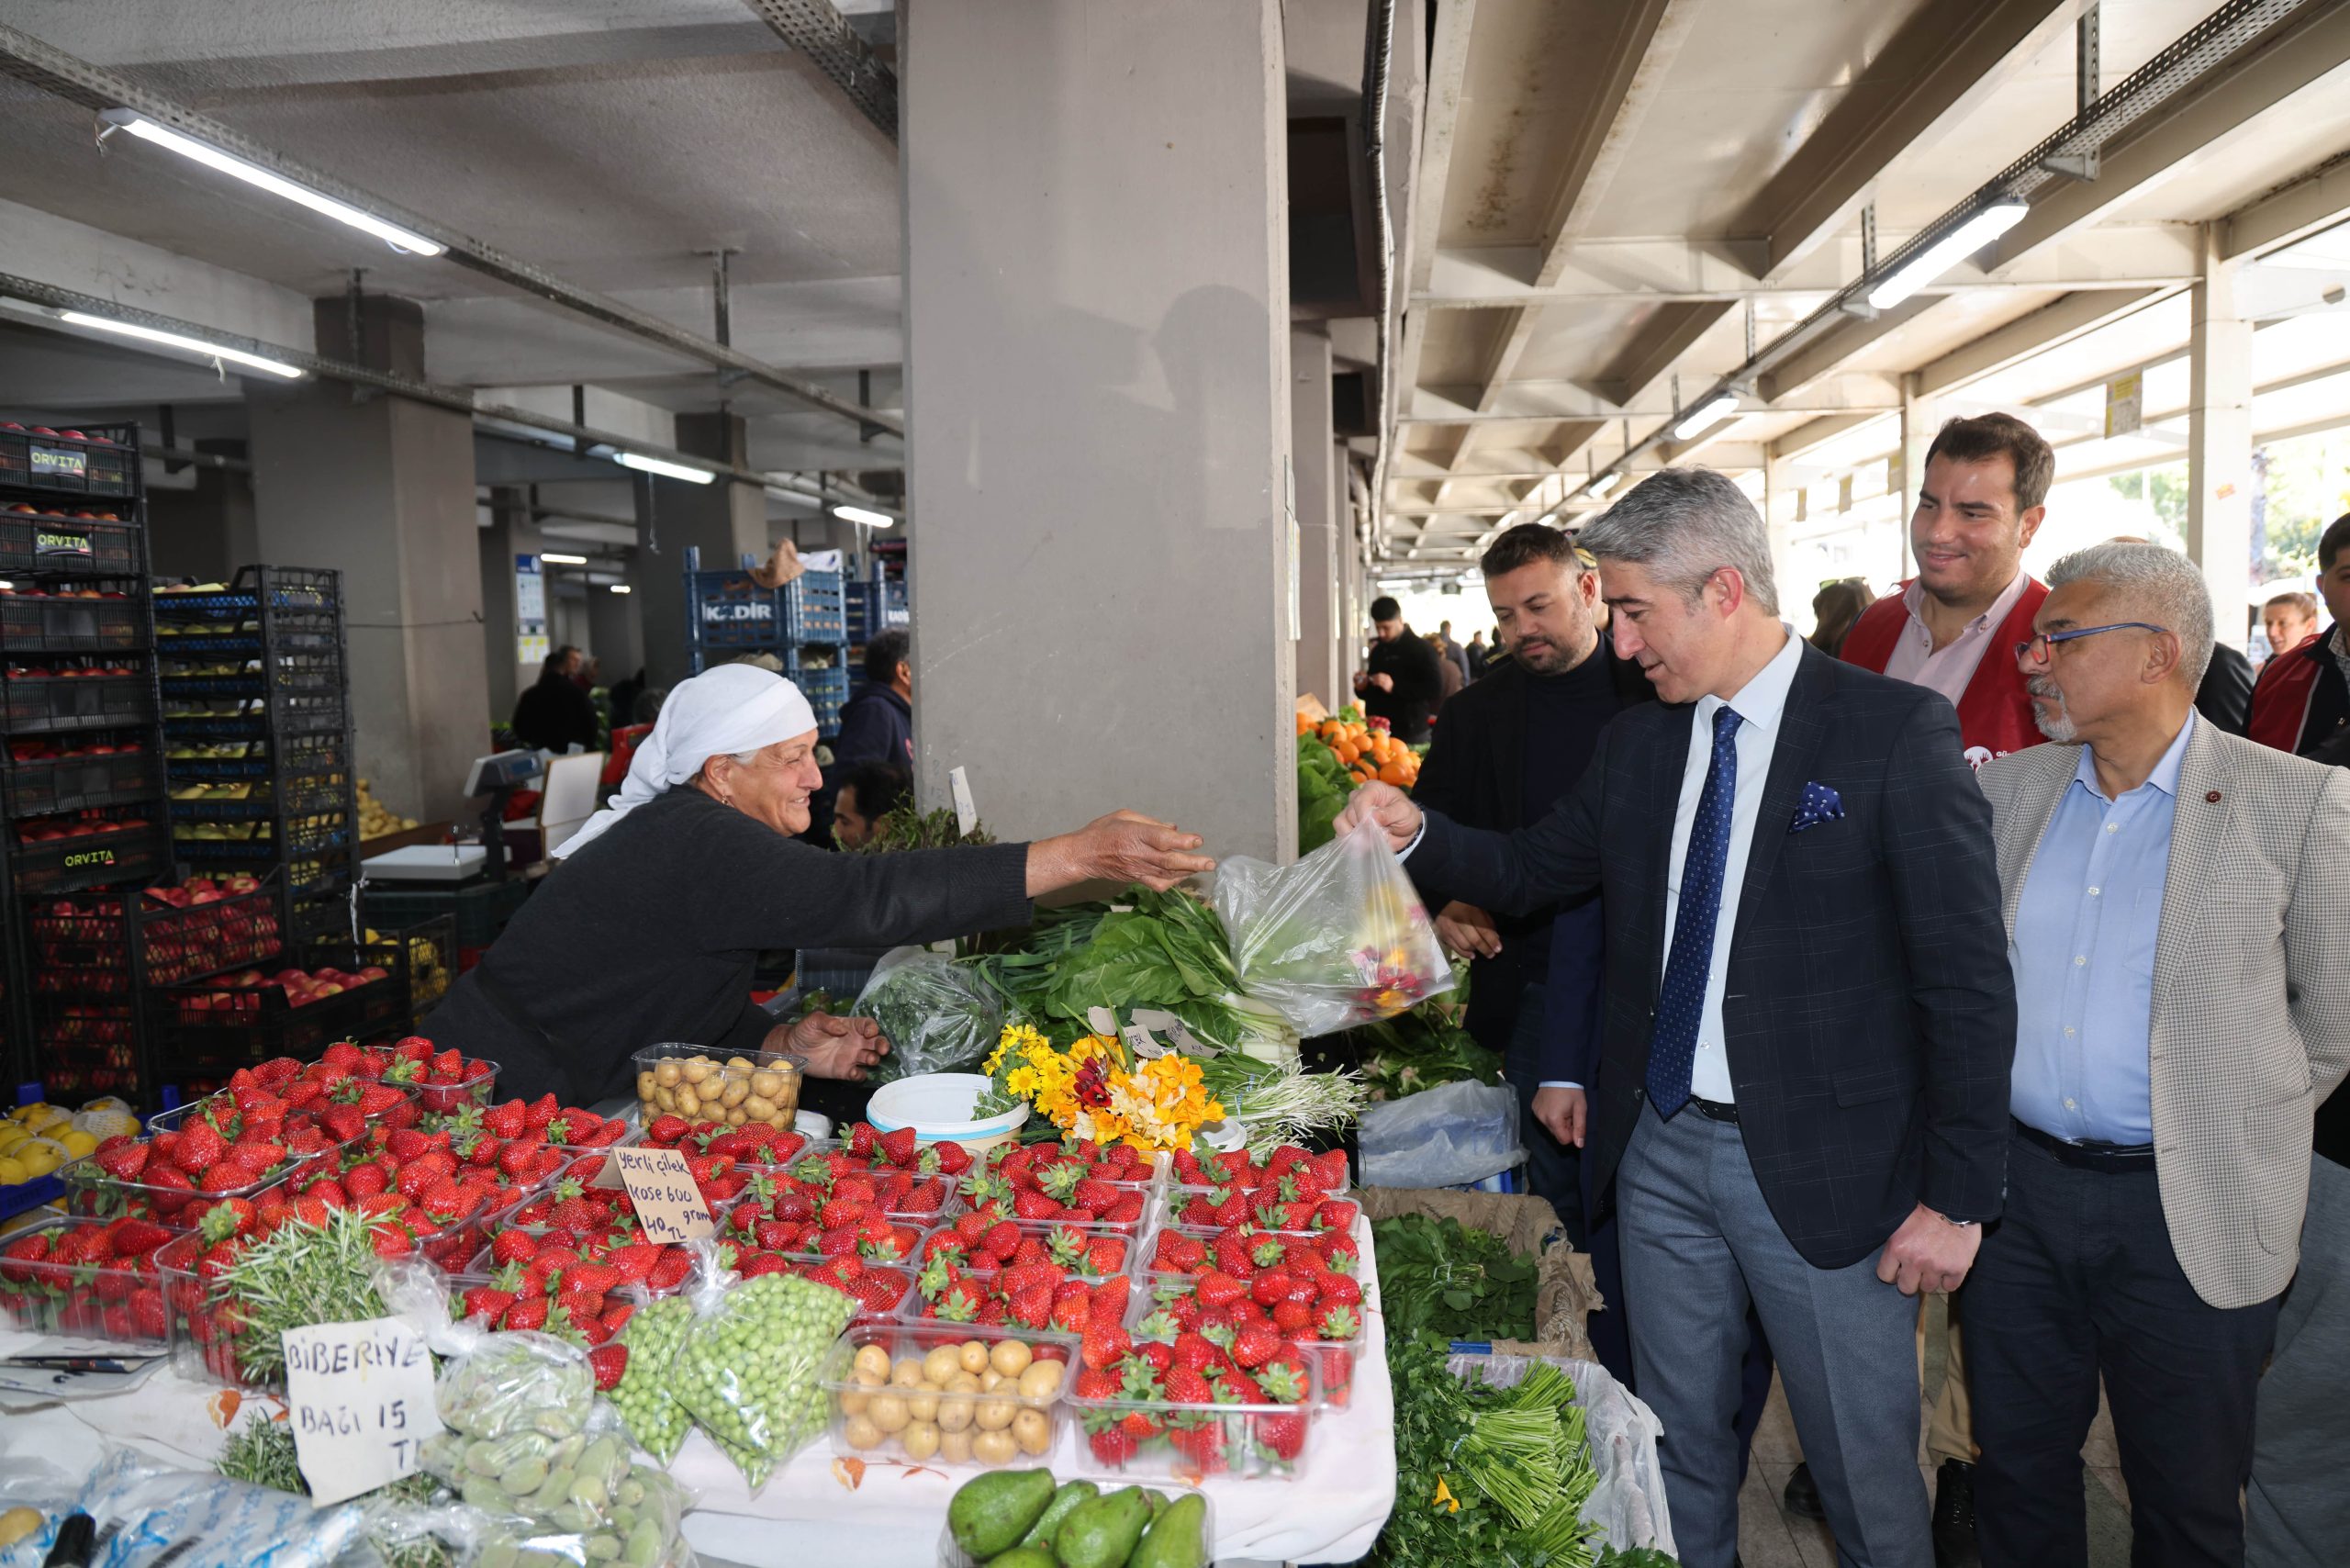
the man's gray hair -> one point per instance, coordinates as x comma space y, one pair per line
1683, 525
2150, 583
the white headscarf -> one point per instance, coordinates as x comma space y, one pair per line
724, 712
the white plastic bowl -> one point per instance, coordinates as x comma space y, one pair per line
938, 1106
812, 1124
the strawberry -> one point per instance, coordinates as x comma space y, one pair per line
1105, 1342
609, 1364
513, 1247
125, 1159
1217, 1289
343, 1123
860, 1140
898, 1147
148, 1318
1283, 1435
1255, 1345
391, 1240
1336, 1322
878, 1292
1185, 1387
488, 1303
198, 1147
1112, 1446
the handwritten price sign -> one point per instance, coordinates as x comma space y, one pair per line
360, 1398
662, 1188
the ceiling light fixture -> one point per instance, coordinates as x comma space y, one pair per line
1987, 225
620, 588
1706, 415
661, 467
252, 173
870, 519
1599, 489
553, 559
176, 341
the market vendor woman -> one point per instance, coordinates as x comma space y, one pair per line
648, 931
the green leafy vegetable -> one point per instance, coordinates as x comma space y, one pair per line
1323, 785
1441, 1279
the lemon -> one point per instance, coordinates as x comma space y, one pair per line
78, 1143
11, 1135
12, 1172
38, 1161
45, 1116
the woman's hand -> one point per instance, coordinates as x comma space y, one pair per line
837, 1048
1124, 846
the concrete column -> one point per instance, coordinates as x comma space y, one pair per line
726, 520
1098, 396
511, 533
1778, 521
205, 533
382, 489
616, 630
1319, 517
2219, 440
1918, 422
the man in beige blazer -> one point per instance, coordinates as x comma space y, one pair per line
2182, 960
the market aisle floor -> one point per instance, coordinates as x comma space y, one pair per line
1769, 1537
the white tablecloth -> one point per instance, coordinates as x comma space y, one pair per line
892, 1520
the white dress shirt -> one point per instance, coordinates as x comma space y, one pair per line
1759, 705
1949, 670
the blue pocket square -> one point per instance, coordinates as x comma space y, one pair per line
1821, 804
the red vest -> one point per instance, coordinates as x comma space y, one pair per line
2280, 698
1995, 711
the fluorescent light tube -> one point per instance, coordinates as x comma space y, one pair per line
620, 588
1599, 489
870, 519
667, 469
1712, 412
1935, 260
553, 559
252, 173
175, 340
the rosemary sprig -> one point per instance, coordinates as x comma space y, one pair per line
264, 1453
301, 1274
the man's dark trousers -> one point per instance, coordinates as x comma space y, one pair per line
2078, 1279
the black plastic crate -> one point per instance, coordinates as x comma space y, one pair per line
101, 545
38, 786
37, 623
37, 702
99, 461
479, 910
204, 1027
128, 853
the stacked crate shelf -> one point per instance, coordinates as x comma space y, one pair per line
257, 717
804, 624
81, 782
875, 603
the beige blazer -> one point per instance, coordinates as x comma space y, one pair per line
2251, 994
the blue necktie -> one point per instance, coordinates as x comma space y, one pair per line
1673, 1050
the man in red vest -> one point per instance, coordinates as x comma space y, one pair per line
2302, 701
1954, 628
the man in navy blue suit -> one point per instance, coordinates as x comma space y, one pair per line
1808, 1021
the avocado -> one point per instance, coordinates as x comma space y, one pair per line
1064, 1501
991, 1513
1025, 1557
1178, 1537
1101, 1532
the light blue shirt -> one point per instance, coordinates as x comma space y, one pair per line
2084, 956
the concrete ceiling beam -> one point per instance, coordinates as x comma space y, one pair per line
2059, 321
1815, 433
2308, 45
2310, 205
1670, 331
1947, 58
1831, 348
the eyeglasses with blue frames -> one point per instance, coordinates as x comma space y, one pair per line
2041, 647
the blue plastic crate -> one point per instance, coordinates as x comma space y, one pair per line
729, 611
827, 693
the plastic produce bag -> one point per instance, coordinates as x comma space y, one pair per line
1627, 1504
1445, 1137
149, 1513
749, 1366
937, 1017
1338, 939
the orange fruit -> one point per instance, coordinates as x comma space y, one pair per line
1394, 774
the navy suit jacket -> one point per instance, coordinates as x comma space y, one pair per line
1869, 1012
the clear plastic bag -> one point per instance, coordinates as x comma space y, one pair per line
750, 1367
1445, 1137
1338, 939
937, 1017
147, 1514
643, 1399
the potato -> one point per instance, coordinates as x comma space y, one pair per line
666, 1098
993, 1414
1010, 1357
766, 1084
695, 1071
733, 1093
991, 1380
954, 1448
1041, 1381
920, 1441
735, 1117
646, 1083
741, 1064
941, 1364
907, 1373
963, 1382
668, 1072
872, 1365
855, 1403
889, 1412
859, 1432
922, 1404
995, 1448
758, 1108
975, 1355
954, 1415
689, 1102
1032, 1431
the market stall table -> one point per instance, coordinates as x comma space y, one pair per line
893, 1518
